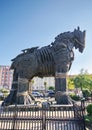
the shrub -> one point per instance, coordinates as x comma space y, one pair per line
5, 93
1, 98
51, 88
89, 109
3, 90
88, 120
86, 93
74, 97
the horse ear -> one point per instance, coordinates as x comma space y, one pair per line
84, 32
78, 28
75, 29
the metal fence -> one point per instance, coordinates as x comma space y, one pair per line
47, 117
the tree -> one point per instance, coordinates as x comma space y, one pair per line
45, 83
83, 81
71, 83
51, 88
79, 81
89, 85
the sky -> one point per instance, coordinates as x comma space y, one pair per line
29, 23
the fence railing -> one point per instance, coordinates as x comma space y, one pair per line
47, 117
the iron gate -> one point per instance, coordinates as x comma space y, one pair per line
47, 117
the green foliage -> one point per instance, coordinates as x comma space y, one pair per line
71, 84
3, 90
1, 98
86, 93
83, 81
51, 88
75, 97
89, 109
45, 83
5, 93
79, 81
88, 119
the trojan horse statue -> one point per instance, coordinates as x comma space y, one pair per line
46, 61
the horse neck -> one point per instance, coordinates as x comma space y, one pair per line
70, 44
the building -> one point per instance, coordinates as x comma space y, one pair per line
6, 76
42, 83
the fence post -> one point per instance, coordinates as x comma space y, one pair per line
83, 111
14, 118
43, 116
45, 107
83, 106
74, 110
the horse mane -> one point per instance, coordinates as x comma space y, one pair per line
65, 35
30, 50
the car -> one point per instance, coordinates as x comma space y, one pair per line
51, 93
36, 94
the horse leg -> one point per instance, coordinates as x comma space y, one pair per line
61, 86
23, 89
11, 98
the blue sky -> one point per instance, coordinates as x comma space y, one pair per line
28, 23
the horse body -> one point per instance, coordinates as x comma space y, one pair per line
42, 62
46, 61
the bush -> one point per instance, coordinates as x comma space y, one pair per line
86, 93
89, 109
75, 97
1, 98
88, 120
5, 93
51, 88
3, 90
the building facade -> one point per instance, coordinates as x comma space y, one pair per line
42, 83
6, 76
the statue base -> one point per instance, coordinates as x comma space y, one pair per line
62, 98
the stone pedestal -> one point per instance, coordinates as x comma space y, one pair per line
61, 88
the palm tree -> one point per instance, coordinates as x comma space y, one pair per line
45, 83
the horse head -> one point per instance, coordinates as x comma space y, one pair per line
79, 39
